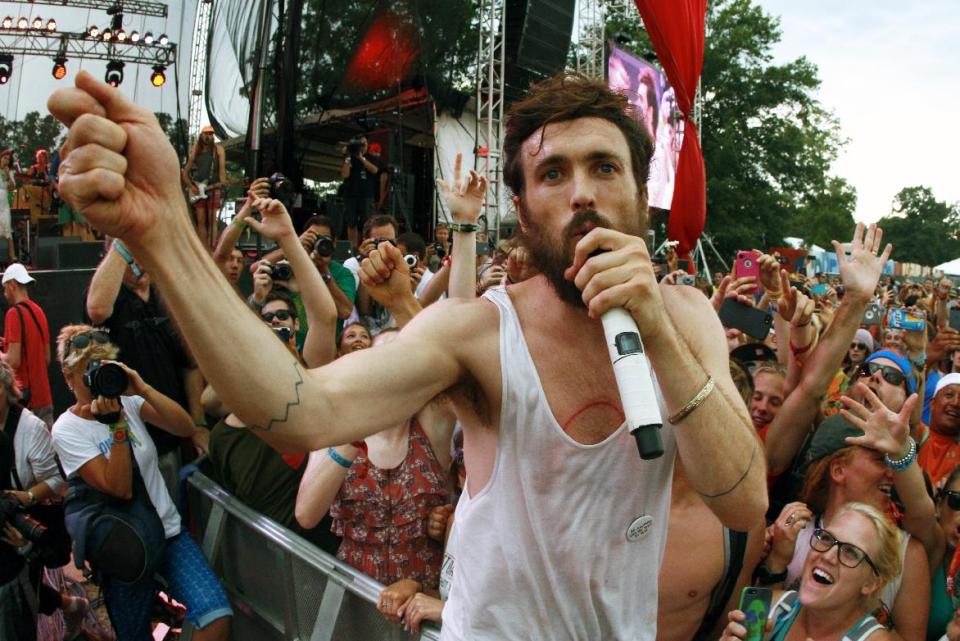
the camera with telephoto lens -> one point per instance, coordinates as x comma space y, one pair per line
411, 260
323, 246
105, 379
13, 513
687, 279
281, 189
354, 146
281, 271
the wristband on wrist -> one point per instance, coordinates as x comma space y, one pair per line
339, 460
239, 222
463, 227
797, 351
902, 463
127, 256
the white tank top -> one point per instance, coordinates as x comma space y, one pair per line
542, 551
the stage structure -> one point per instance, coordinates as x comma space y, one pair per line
491, 86
198, 68
39, 37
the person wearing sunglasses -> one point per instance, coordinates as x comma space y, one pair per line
942, 602
101, 456
860, 455
940, 453
846, 567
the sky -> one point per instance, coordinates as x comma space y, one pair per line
32, 82
890, 73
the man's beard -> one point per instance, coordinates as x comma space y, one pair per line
552, 256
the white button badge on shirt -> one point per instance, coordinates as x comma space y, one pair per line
639, 527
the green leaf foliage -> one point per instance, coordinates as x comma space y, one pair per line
923, 230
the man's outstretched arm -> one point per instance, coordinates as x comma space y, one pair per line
120, 172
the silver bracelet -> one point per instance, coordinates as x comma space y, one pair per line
900, 464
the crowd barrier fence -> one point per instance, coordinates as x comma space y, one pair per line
282, 587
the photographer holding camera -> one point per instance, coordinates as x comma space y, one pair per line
99, 439
357, 189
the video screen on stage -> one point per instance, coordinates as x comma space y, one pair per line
647, 89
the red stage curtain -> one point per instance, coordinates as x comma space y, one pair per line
676, 30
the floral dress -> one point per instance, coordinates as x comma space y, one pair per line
382, 515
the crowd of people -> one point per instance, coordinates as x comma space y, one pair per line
448, 423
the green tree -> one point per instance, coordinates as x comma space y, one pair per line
923, 230
768, 143
178, 131
34, 132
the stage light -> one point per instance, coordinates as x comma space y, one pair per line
148, 38
51, 25
59, 67
121, 36
106, 35
7, 22
93, 31
158, 78
22, 23
38, 23
134, 36
163, 40
6, 67
114, 75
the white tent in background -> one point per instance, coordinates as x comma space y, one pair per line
952, 267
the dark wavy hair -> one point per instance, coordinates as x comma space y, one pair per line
565, 97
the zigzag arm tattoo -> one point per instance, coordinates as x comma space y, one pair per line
289, 405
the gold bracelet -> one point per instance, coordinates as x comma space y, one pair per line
694, 402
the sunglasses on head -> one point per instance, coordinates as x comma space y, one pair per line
280, 314
953, 499
81, 341
890, 374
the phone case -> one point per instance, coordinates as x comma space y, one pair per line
749, 320
955, 318
755, 603
747, 265
871, 315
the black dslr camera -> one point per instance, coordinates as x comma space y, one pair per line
13, 513
281, 271
354, 146
438, 250
323, 246
105, 379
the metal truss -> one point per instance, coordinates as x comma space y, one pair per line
198, 67
139, 7
490, 96
81, 46
591, 34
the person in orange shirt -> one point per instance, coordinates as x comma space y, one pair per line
941, 451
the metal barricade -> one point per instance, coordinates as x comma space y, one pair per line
282, 587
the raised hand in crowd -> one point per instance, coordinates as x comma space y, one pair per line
262, 281
947, 340
783, 535
736, 288
464, 198
385, 276
259, 188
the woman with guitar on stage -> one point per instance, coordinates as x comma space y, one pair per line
205, 175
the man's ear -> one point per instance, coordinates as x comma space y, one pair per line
518, 207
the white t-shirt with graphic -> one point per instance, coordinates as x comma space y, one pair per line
79, 440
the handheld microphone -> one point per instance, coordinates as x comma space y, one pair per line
634, 381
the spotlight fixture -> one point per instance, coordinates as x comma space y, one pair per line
158, 78
7, 22
121, 36
163, 40
59, 67
6, 67
38, 23
148, 38
134, 36
106, 35
51, 25
22, 23
114, 75
93, 31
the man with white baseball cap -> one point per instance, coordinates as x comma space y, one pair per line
27, 342
941, 451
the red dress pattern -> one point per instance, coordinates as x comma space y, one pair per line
382, 515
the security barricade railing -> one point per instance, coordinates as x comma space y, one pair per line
282, 587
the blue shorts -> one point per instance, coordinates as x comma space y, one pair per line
189, 580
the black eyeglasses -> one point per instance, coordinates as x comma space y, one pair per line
953, 499
80, 341
890, 374
848, 554
280, 314
859, 346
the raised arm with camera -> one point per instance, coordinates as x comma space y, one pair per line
860, 272
319, 347
259, 188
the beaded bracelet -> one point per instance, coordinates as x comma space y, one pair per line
900, 464
339, 460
